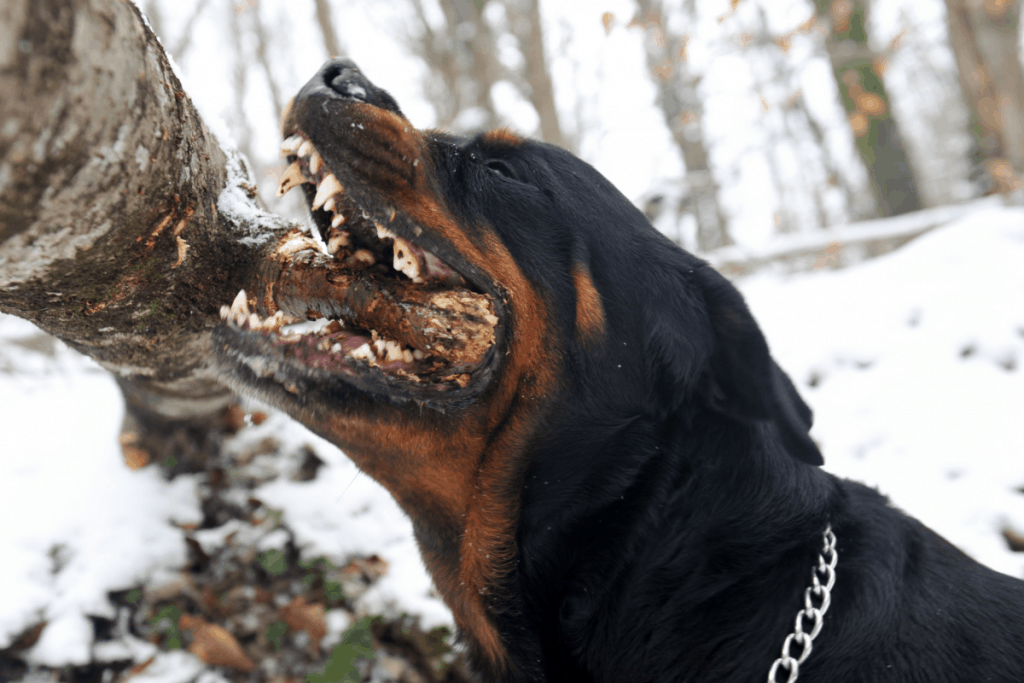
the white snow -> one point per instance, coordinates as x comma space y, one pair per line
78, 523
898, 406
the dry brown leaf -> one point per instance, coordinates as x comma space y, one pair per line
215, 645
234, 418
302, 616
135, 458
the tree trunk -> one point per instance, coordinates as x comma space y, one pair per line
983, 36
323, 19
683, 109
858, 76
526, 27
462, 63
123, 225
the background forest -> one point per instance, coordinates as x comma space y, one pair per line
728, 122
854, 165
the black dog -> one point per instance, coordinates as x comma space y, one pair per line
609, 477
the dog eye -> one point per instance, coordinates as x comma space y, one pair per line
499, 166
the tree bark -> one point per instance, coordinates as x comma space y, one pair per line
876, 133
983, 35
679, 98
123, 225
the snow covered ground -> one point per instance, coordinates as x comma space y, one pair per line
915, 361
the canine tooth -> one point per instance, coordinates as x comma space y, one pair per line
305, 148
240, 306
291, 145
315, 162
327, 187
291, 177
405, 260
337, 220
329, 204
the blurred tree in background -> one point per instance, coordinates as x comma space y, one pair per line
859, 72
984, 38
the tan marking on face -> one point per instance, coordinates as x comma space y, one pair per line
502, 137
590, 319
465, 468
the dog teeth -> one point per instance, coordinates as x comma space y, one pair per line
240, 306
291, 145
337, 220
315, 163
338, 240
364, 352
306, 148
327, 187
329, 204
383, 233
405, 260
292, 177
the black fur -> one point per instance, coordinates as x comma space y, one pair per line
670, 517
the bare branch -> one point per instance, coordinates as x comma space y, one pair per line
262, 56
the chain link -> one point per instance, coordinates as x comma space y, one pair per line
826, 569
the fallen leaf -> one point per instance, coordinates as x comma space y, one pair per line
303, 616
215, 645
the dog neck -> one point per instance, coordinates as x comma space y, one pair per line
666, 542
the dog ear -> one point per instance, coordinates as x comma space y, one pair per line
747, 383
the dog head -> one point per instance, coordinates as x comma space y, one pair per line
490, 291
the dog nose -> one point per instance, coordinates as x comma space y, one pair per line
342, 79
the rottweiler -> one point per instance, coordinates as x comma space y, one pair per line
608, 476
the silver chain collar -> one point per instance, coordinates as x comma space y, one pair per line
826, 569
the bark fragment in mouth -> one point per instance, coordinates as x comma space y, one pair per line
455, 325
